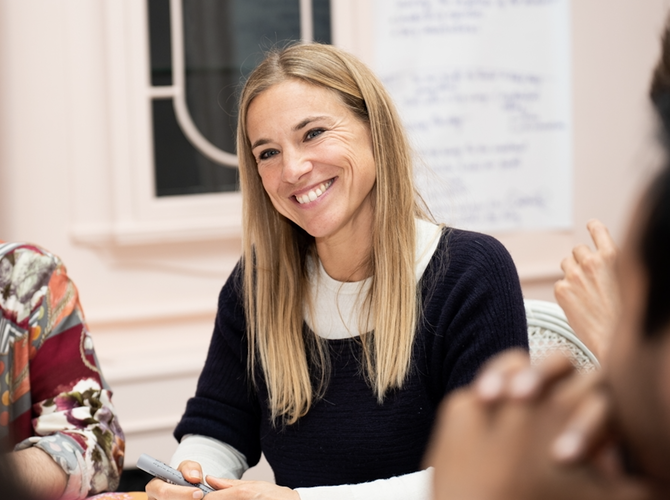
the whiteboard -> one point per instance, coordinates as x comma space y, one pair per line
484, 90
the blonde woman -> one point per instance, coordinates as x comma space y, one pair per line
350, 315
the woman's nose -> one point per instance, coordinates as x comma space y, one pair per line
296, 164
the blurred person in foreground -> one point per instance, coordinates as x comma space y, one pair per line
546, 432
55, 408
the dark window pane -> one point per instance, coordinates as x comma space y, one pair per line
224, 41
321, 14
159, 42
180, 168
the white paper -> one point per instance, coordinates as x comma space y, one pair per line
483, 88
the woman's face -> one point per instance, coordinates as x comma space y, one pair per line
314, 158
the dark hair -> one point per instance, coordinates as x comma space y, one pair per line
655, 237
660, 84
655, 250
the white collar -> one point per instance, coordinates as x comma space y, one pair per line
338, 306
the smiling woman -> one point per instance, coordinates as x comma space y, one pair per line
350, 314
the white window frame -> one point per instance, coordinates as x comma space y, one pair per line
112, 162
177, 91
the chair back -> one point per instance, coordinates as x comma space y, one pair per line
549, 332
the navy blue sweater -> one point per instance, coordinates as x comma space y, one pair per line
472, 308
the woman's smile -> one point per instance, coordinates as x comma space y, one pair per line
314, 193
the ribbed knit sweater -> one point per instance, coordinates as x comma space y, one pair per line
472, 308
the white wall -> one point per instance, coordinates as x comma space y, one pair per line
151, 305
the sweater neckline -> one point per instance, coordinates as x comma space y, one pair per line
339, 306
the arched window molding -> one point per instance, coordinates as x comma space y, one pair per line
179, 93
114, 202
178, 90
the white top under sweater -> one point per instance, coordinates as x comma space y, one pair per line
337, 310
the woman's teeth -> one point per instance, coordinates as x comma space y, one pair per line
314, 193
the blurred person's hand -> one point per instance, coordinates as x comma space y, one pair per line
509, 375
588, 291
547, 438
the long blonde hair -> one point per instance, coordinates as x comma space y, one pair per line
294, 362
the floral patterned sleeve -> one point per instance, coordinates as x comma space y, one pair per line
53, 393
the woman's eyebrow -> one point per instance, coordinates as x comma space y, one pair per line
302, 124
259, 142
307, 121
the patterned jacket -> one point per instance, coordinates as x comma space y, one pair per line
52, 393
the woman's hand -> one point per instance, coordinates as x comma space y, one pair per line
588, 291
157, 489
233, 489
227, 489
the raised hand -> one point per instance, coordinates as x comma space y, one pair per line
588, 291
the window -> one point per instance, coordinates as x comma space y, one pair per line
126, 85
200, 52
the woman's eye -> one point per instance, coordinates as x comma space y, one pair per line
267, 154
313, 133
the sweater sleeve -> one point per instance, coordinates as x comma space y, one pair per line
225, 406
473, 306
215, 458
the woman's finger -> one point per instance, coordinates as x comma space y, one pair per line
192, 471
568, 265
157, 489
601, 238
251, 490
581, 253
221, 483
